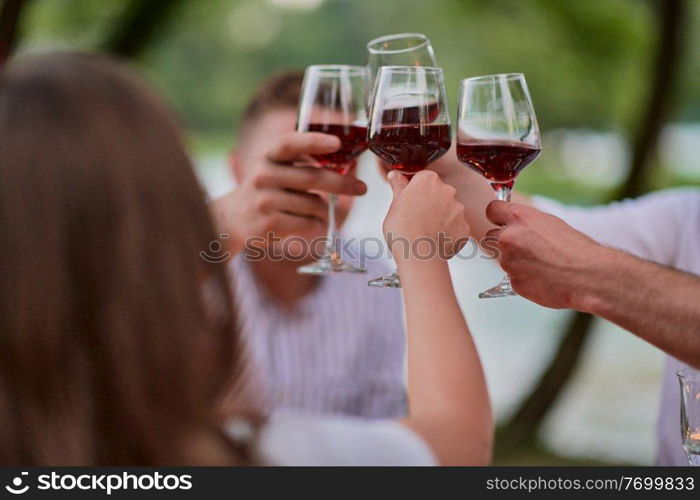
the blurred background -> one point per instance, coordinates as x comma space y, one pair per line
616, 87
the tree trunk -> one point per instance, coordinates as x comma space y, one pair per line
9, 22
138, 25
522, 428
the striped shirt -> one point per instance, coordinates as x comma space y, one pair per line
340, 350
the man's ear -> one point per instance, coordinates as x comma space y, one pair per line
234, 164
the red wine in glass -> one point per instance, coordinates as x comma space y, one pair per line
497, 137
426, 113
409, 125
411, 148
353, 142
334, 101
500, 163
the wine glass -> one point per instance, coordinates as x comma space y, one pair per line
402, 49
333, 102
409, 125
690, 413
497, 137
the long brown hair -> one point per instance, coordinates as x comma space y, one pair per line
110, 353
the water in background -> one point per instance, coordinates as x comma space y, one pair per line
608, 411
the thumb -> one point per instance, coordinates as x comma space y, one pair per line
397, 182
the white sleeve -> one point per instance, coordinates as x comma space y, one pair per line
288, 439
649, 227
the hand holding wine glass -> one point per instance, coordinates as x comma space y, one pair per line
497, 137
333, 102
278, 197
409, 124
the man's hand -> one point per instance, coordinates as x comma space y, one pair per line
548, 261
281, 197
554, 265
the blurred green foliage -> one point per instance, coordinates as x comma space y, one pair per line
588, 63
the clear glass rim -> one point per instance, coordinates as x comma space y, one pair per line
419, 36
497, 76
332, 69
410, 69
688, 374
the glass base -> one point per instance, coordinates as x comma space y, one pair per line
387, 281
692, 449
503, 289
329, 266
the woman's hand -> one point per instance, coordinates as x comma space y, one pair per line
447, 395
425, 219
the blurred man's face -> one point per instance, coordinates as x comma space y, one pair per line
255, 140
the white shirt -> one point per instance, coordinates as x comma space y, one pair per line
294, 439
663, 227
340, 350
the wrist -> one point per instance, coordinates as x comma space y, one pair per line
406, 260
411, 246
426, 278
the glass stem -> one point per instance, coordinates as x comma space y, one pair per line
502, 190
332, 250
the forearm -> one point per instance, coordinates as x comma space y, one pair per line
475, 193
659, 304
448, 399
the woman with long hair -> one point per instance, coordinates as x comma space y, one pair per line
118, 341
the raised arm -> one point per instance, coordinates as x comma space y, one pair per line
448, 399
556, 266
